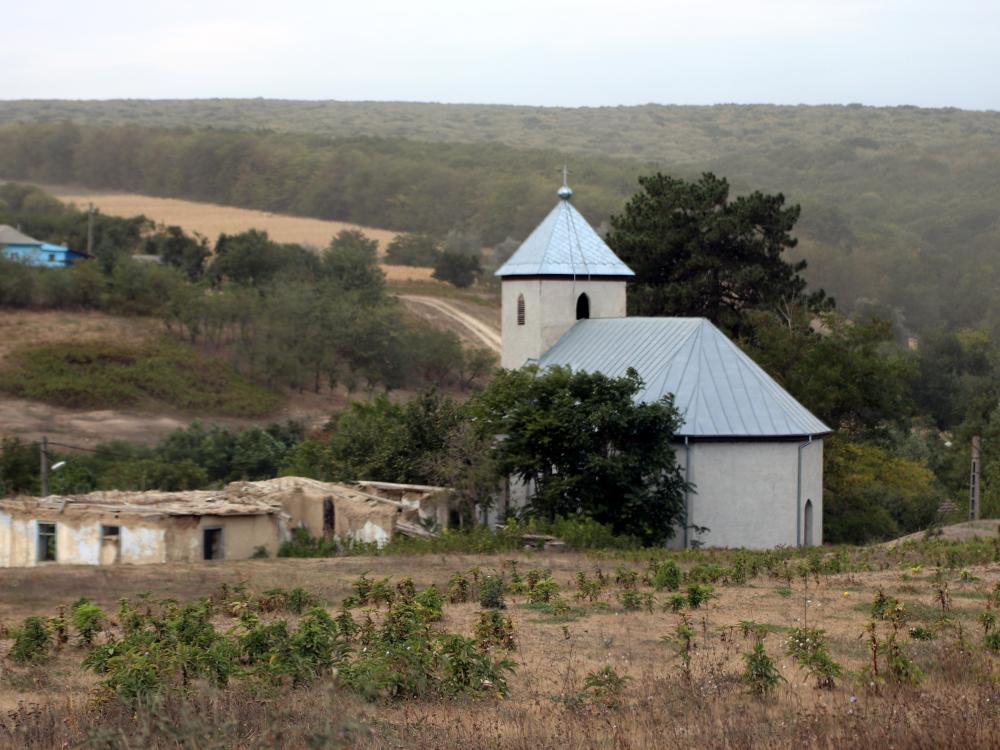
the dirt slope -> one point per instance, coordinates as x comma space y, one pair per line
958, 531
477, 331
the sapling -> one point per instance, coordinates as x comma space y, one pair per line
491, 593
458, 589
87, 620
495, 630
59, 628
682, 642
667, 576
987, 620
675, 603
698, 594
543, 591
807, 646
406, 589
898, 663
31, 644
605, 687
759, 672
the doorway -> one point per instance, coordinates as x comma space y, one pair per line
809, 523
329, 517
212, 543
111, 547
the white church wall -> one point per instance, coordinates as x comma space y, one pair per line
549, 311
746, 492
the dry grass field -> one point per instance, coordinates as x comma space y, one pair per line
210, 219
956, 704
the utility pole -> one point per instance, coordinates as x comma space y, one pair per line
974, 480
90, 230
44, 451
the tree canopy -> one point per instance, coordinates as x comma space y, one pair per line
696, 252
586, 447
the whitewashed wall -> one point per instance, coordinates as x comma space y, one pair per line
746, 492
550, 310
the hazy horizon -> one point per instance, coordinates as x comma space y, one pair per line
557, 53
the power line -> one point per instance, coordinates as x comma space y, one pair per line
102, 451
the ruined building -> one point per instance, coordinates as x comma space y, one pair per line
235, 523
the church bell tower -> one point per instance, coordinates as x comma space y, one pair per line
563, 272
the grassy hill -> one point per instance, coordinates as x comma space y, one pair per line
901, 206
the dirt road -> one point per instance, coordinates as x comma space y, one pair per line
483, 333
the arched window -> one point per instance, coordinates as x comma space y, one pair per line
520, 309
809, 522
582, 307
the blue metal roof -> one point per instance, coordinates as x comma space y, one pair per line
717, 388
564, 244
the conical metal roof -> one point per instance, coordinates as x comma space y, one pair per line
719, 391
564, 244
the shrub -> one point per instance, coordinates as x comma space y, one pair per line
406, 658
32, 642
920, 633
104, 374
676, 603
543, 591
993, 641
682, 642
362, 589
491, 593
382, 593
299, 599
883, 606
493, 629
605, 686
58, 627
587, 588
87, 619
666, 575
458, 589
807, 646
698, 594
431, 601
627, 578
303, 545
631, 600
759, 672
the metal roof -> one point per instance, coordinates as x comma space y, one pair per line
11, 236
717, 388
564, 244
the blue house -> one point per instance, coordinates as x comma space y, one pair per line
16, 245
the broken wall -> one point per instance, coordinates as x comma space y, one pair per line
78, 540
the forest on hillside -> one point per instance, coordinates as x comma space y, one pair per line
899, 205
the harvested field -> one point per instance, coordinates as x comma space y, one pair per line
211, 219
955, 704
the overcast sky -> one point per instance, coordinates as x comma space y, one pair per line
543, 52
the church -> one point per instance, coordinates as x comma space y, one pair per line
751, 453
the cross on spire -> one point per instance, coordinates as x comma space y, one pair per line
565, 192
